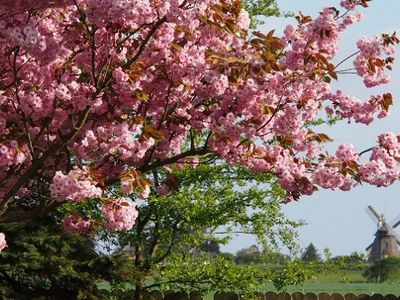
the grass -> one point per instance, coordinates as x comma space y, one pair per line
342, 288
335, 287
348, 281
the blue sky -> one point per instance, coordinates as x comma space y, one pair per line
337, 220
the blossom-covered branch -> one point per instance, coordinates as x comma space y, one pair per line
94, 93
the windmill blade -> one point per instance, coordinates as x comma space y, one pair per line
373, 213
395, 222
376, 214
370, 246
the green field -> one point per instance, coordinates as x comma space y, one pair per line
337, 287
335, 283
343, 288
348, 281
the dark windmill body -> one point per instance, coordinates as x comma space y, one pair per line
386, 242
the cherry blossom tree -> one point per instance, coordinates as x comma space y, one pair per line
100, 99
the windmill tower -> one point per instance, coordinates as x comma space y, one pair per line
386, 242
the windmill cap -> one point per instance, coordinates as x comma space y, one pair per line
385, 228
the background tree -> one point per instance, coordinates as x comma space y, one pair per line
387, 269
260, 8
211, 248
275, 258
354, 258
310, 254
207, 203
251, 254
47, 262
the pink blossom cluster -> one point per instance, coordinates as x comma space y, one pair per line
296, 180
329, 175
15, 6
370, 61
75, 186
243, 21
348, 107
120, 214
347, 152
383, 168
349, 4
12, 154
134, 182
130, 185
351, 19
310, 38
389, 141
119, 139
3, 243
76, 224
376, 172
93, 89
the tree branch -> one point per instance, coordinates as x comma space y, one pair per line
365, 151
171, 244
38, 163
157, 164
40, 211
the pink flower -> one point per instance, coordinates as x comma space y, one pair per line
349, 4
144, 193
243, 21
347, 152
127, 187
75, 186
389, 141
376, 172
133, 182
328, 177
371, 62
3, 243
120, 214
75, 223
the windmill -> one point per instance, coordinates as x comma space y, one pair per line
386, 242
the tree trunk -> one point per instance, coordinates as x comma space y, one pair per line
139, 289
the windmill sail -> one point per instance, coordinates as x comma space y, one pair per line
374, 212
395, 222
